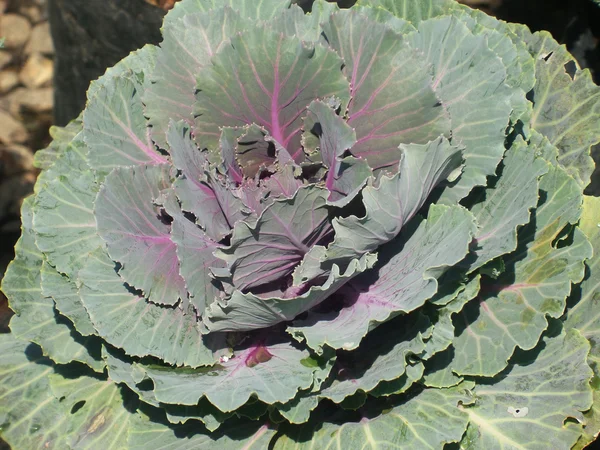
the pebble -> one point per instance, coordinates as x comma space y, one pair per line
32, 100
34, 13
5, 58
15, 29
11, 130
37, 71
9, 79
40, 40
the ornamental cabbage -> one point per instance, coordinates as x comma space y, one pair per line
351, 228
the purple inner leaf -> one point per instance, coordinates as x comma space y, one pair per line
253, 153
267, 79
135, 235
270, 250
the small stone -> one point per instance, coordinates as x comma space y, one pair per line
37, 71
9, 79
11, 130
32, 12
5, 58
4, 103
15, 29
32, 100
40, 40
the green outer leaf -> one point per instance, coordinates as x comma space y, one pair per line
65, 294
249, 9
30, 416
35, 318
520, 66
38, 403
505, 207
64, 221
592, 424
393, 101
137, 65
237, 89
248, 312
543, 147
115, 129
526, 409
535, 285
70, 158
566, 110
376, 362
122, 371
438, 373
451, 283
403, 281
429, 419
439, 353
144, 435
443, 332
585, 316
413, 373
61, 138
138, 327
130, 225
298, 410
381, 15
470, 81
103, 419
413, 11
188, 46
204, 411
273, 372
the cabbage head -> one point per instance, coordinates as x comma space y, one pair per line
357, 228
